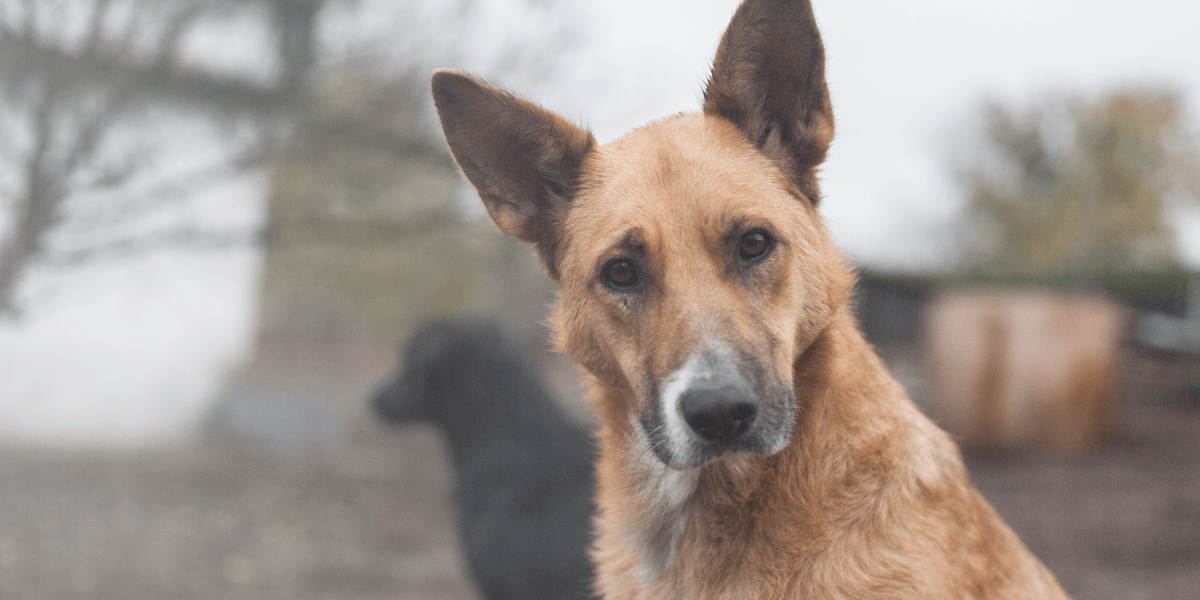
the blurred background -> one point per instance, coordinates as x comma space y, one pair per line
219, 217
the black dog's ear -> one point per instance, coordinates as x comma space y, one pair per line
524, 160
768, 78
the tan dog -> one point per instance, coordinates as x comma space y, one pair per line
752, 444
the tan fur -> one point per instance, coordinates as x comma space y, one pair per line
869, 501
864, 497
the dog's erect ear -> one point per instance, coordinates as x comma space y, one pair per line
768, 78
523, 159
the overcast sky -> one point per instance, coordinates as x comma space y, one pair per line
905, 78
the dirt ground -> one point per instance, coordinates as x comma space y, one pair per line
372, 518
1124, 524
208, 522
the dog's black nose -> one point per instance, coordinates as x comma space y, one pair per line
719, 414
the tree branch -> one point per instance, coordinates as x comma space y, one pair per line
22, 55
142, 244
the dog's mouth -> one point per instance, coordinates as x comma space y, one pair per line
716, 404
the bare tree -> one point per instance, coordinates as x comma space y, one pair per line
46, 170
73, 70
76, 74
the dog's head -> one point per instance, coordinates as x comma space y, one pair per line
449, 370
694, 266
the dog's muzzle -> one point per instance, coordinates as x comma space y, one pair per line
711, 406
720, 404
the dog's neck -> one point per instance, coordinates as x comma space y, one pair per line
852, 416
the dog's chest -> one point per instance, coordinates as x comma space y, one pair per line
665, 501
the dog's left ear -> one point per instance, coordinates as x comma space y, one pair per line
768, 78
524, 160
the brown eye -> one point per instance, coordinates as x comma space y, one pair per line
754, 244
620, 274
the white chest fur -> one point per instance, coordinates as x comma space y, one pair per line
666, 497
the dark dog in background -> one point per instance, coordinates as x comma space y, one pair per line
524, 469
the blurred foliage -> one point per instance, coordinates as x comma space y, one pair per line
1070, 184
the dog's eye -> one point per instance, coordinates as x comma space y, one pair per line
753, 245
619, 274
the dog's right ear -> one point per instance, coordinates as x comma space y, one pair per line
768, 79
523, 160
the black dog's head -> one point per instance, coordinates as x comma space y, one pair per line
444, 366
